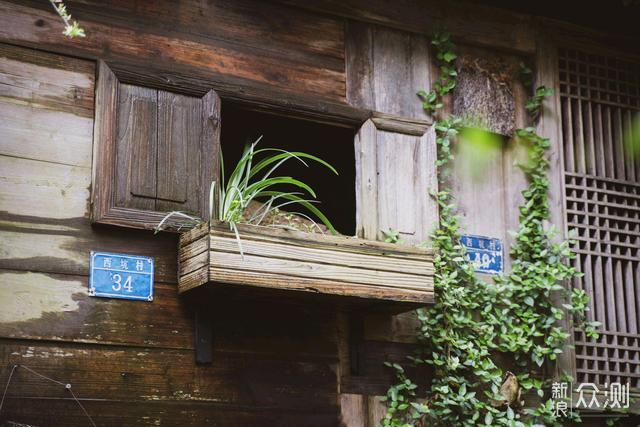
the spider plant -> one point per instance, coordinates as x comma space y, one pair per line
254, 179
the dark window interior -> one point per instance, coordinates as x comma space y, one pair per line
331, 143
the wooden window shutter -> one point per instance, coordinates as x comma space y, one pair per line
600, 98
394, 173
154, 152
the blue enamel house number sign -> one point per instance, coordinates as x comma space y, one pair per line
485, 253
121, 276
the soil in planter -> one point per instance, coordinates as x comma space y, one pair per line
283, 219
333, 144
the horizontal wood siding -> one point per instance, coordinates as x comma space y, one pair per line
130, 363
189, 41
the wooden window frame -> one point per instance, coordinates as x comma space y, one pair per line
556, 36
103, 189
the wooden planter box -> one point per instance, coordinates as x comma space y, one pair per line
297, 261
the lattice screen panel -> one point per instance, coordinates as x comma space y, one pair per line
600, 98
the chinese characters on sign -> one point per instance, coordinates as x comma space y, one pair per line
484, 252
121, 276
590, 397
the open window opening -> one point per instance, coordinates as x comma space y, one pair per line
336, 193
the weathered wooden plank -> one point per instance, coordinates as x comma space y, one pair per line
54, 307
405, 174
366, 182
359, 63
400, 68
300, 268
136, 148
147, 374
30, 132
179, 136
222, 59
46, 81
479, 187
209, 149
495, 28
390, 123
40, 411
289, 260
550, 125
353, 411
104, 134
322, 256
46, 105
37, 243
321, 286
291, 32
376, 410
515, 153
315, 240
385, 68
38, 306
196, 262
52, 190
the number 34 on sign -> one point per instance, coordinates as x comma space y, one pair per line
121, 276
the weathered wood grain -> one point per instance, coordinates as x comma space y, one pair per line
491, 27
292, 32
154, 152
394, 175
300, 261
403, 299
353, 410
406, 174
45, 185
148, 374
46, 105
391, 123
550, 126
385, 69
338, 258
46, 81
366, 182
57, 307
33, 243
300, 238
50, 190
179, 153
136, 148
30, 132
348, 276
40, 411
223, 59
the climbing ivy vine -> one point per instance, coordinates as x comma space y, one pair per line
487, 341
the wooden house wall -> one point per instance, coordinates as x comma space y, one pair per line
274, 364
131, 363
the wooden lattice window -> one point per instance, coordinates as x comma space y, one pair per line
600, 98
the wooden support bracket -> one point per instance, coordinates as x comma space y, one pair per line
356, 335
204, 336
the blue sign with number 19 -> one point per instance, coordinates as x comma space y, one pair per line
121, 276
